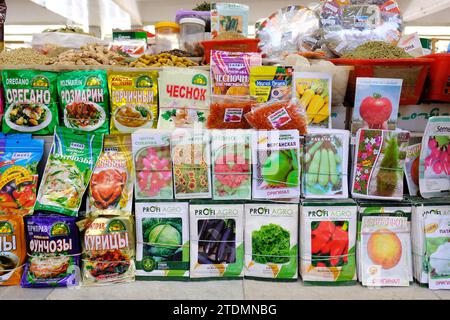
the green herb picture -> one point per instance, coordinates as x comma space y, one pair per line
271, 243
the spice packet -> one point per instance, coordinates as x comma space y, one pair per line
153, 164
423, 208
384, 244
376, 104
229, 17
19, 158
84, 100
108, 247
412, 168
216, 246
271, 82
314, 92
328, 242
231, 164
134, 100
53, 248
111, 184
162, 233
276, 169
271, 241
278, 115
325, 164
12, 249
227, 112
230, 71
437, 234
378, 165
184, 98
434, 167
31, 101
191, 164
68, 171
411, 44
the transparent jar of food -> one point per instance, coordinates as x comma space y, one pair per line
192, 33
167, 36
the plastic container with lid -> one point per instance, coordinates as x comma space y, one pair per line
167, 36
191, 35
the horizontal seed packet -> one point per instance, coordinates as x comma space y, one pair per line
216, 244
19, 158
53, 247
328, 242
271, 82
108, 247
12, 249
271, 241
153, 164
184, 98
111, 184
134, 100
162, 236
31, 101
84, 100
68, 171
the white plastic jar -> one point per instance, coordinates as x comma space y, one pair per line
192, 33
167, 36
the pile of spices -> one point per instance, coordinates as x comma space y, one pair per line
230, 35
23, 56
162, 59
377, 50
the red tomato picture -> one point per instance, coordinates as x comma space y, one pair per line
375, 110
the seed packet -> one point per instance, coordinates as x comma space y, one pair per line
230, 71
271, 83
111, 184
153, 164
229, 17
108, 247
376, 104
31, 101
191, 164
134, 100
53, 248
12, 249
412, 168
434, 166
328, 242
19, 158
378, 165
68, 171
325, 164
184, 98
231, 164
437, 232
422, 209
227, 112
384, 244
276, 169
84, 100
313, 90
162, 234
216, 246
271, 241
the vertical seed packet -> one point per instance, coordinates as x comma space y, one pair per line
378, 165
12, 249
412, 168
229, 17
276, 169
313, 90
271, 241
423, 208
216, 240
184, 98
376, 104
384, 244
434, 166
162, 235
231, 164
437, 235
191, 164
152, 164
325, 164
328, 242
271, 83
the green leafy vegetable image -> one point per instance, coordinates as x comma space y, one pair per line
271, 243
163, 236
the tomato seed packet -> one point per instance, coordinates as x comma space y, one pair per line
411, 169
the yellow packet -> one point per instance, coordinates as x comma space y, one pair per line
270, 83
134, 100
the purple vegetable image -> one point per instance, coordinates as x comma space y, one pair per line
216, 241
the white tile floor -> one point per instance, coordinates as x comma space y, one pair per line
229, 290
